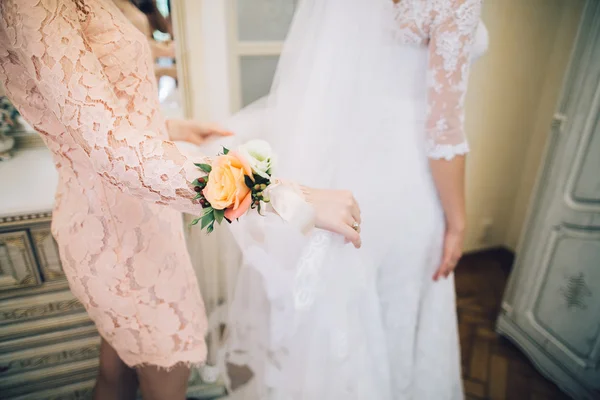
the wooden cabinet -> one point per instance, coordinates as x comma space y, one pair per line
17, 261
551, 307
46, 339
47, 254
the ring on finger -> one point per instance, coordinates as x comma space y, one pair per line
356, 226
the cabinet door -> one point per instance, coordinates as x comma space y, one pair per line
552, 304
17, 264
47, 252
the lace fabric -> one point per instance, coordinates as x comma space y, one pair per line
448, 28
366, 90
104, 101
83, 77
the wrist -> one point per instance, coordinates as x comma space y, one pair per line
456, 223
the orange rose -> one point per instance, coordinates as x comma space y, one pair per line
226, 188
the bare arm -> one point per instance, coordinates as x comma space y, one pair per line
452, 35
449, 177
162, 49
161, 71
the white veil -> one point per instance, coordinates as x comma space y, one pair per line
333, 60
300, 301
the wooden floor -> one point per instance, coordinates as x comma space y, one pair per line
493, 368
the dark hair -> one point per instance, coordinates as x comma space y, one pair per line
157, 21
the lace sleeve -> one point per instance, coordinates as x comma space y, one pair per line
452, 35
46, 38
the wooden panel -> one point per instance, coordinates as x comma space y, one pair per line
264, 20
12, 332
17, 264
480, 359
474, 389
47, 252
62, 333
499, 375
587, 187
42, 379
36, 307
256, 76
49, 356
566, 310
83, 390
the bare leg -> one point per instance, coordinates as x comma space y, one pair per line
159, 384
115, 379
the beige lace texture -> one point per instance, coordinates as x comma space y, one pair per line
102, 102
85, 81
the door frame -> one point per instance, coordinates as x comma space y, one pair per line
210, 52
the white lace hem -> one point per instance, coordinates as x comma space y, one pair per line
447, 151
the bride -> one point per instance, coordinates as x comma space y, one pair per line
369, 95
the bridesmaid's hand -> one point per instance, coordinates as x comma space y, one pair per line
194, 132
336, 211
453, 247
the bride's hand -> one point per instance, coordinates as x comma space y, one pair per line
453, 247
336, 211
194, 132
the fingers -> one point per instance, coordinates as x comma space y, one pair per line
440, 271
197, 140
448, 264
350, 234
446, 257
355, 211
218, 132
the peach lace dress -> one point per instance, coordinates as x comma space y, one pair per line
82, 75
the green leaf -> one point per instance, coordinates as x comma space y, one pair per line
207, 220
204, 167
248, 181
210, 228
198, 196
225, 150
207, 210
194, 222
219, 215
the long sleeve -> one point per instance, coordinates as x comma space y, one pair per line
46, 39
452, 35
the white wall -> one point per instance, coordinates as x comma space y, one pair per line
513, 93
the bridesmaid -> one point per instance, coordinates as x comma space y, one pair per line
82, 75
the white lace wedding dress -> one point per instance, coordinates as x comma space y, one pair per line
366, 92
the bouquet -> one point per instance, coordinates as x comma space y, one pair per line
233, 183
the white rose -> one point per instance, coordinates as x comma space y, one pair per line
259, 155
